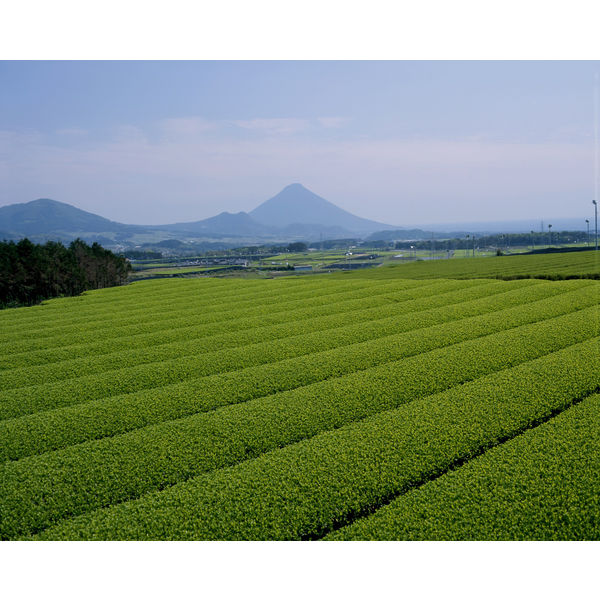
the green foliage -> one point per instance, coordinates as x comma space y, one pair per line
297, 247
193, 340
30, 273
278, 409
565, 265
142, 254
313, 486
351, 351
504, 240
227, 315
542, 485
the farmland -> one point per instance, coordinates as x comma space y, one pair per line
560, 265
415, 264
404, 402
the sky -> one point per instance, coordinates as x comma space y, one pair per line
400, 142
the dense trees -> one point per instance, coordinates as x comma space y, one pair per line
30, 273
297, 247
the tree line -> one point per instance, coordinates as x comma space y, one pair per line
500, 240
141, 254
30, 273
259, 249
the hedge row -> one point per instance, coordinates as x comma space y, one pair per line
196, 342
42, 432
147, 333
28, 339
192, 340
564, 264
307, 362
542, 485
312, 487
38, 490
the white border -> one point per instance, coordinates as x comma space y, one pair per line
294, 29
269, 29
298, 570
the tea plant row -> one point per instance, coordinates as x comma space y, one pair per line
314, 486
41, 489
542, 485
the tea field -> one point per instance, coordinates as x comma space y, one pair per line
379, 405
559, 265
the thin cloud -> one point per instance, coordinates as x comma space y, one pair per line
186, 126
284, 126
290, 125
333, 122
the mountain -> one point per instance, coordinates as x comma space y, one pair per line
296, 205
295, 213
309, 231
242, 224
46, 217
225, 223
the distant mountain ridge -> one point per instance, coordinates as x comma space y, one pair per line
45, 215
295, 212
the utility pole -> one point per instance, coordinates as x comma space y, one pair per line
596, 221
588, 231
596, 159
532, 240
549, 235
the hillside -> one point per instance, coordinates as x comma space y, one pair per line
294, 213
225, 223
45, 216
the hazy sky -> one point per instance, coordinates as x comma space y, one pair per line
399, 142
